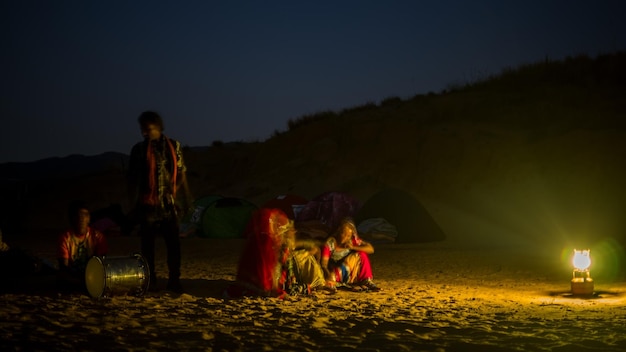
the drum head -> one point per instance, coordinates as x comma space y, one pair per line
95, 277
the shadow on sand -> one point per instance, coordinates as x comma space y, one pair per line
35, 285
594, 295
206, 288
195, 287
46, 286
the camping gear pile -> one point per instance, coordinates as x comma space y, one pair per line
389, 216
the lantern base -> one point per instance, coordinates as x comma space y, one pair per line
582, 286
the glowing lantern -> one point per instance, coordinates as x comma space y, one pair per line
582, 283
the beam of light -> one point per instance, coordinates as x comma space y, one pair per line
609, 260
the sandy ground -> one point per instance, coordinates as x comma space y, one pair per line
444, 296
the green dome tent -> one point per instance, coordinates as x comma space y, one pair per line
226, 218
215, 216
190, 223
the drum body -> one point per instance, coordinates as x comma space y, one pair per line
112, 276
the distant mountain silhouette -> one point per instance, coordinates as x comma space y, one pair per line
69, 166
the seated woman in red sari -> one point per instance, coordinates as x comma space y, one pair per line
273, 263
261, 266
345, 259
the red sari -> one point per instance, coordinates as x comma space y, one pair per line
261, 270
348, 266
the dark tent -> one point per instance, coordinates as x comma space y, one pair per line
407, 214
287, 203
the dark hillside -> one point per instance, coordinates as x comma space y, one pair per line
535, 152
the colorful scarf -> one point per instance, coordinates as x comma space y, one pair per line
152, 198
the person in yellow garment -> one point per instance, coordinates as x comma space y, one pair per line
273, 262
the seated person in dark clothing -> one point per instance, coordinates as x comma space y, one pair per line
18, 267
76, 246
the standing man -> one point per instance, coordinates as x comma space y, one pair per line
156, 171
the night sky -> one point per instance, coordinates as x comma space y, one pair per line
77, 74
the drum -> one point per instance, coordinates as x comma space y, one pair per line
111, 276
